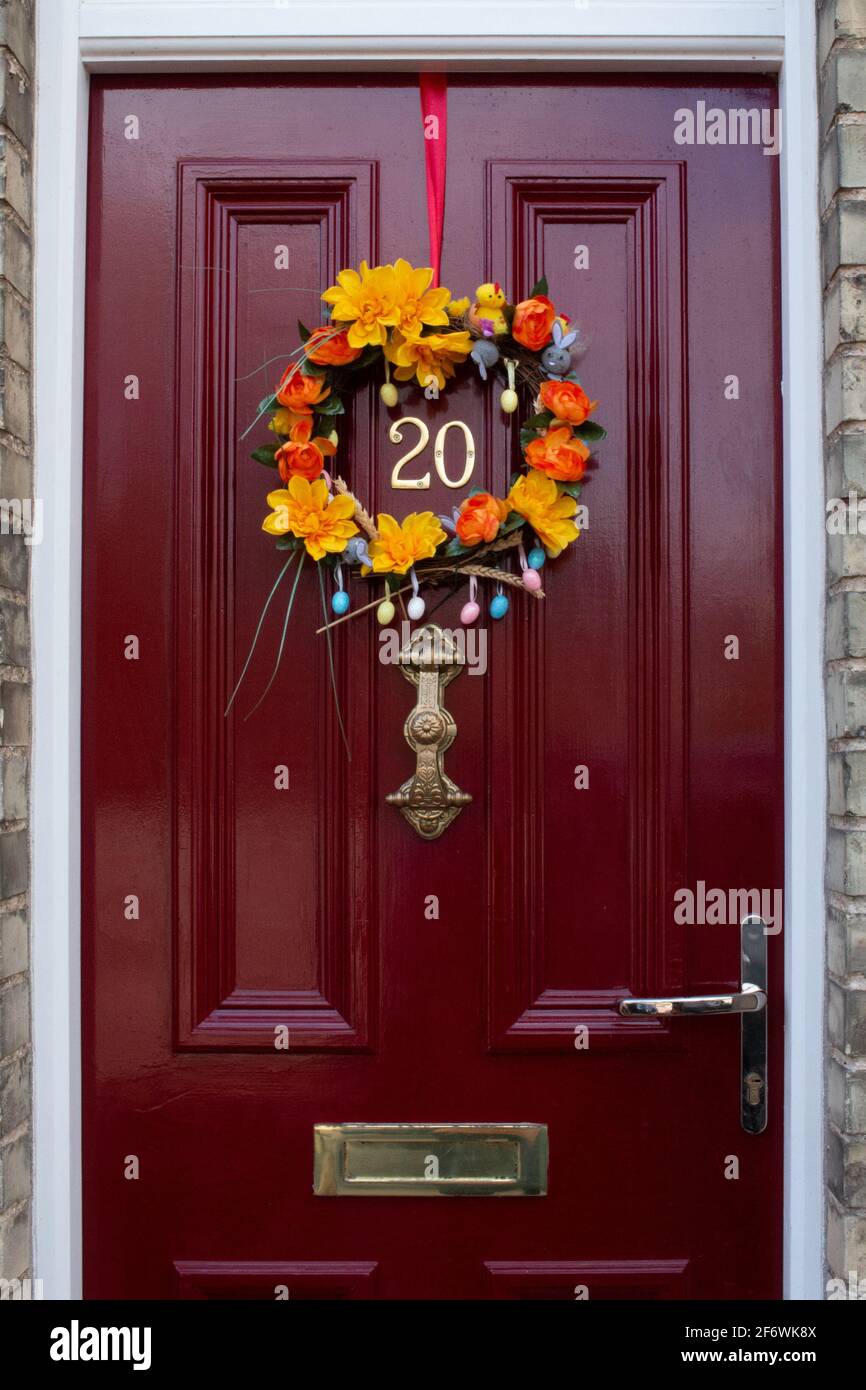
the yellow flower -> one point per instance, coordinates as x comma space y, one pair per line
399, 546
458, 307
307, 510
418, 305
282, 420
548, 511
423, 358
366, 300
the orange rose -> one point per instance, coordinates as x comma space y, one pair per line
480, 518
567, 401
330, 349
301, 393
558, 454
533, 322
303, 457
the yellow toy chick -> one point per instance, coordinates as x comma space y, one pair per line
486, 313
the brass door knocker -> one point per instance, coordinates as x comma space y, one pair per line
429, 800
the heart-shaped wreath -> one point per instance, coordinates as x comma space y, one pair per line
391, 317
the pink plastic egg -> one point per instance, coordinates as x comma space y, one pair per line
531, 579
469, 612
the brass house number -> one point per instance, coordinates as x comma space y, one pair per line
395, 434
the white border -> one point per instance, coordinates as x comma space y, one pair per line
208, 35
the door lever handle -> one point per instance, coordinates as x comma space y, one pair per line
750, 1000
747, 1000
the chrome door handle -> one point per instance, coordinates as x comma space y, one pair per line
747, 1000
750, 1001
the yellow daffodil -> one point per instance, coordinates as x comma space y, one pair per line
324, 523
548, 511
419, 306
458, 307
367, 301
399, 545
282, 420
425, 358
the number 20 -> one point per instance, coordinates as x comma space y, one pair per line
395, 434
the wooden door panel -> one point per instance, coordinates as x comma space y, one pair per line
582, 916
252, 957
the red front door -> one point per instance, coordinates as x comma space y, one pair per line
475, 978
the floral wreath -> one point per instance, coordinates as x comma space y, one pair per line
393, 317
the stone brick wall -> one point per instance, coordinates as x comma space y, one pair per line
16, 516
842, 87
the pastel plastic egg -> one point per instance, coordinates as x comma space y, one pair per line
340, 601
385, 612
498, 606
469, 612
416, 607
531, 579
388, 393
536, 558
508, 401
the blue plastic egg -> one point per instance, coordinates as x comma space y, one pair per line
340, 601
498, 606
536, 558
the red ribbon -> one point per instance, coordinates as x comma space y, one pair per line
434, 103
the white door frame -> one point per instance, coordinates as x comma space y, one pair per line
77, 37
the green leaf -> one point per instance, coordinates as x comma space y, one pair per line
266, 455
332, 406
367, 358
393, 582
512, 522
590, 432
269, 403
303, 331
539, 421
309, 368
526, 437
573, 489
288, 543
540, 287
456, 547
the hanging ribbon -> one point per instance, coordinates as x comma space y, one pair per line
434, 114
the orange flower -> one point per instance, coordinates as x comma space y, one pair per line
329, 349
301, 393
533, 322
480, 518
558, 454
303, 457
567, 401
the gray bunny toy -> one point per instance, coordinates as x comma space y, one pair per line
556, 359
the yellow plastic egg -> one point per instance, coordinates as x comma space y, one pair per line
508, 401
388, 394
385, 612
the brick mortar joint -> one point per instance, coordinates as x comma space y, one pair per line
19, 902
854, 1066
839, 198
16, 67
15, 1209
21, 977
16, 445
20, 299
854, 983
15, 823
844, 903
843, 43
19, 1132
